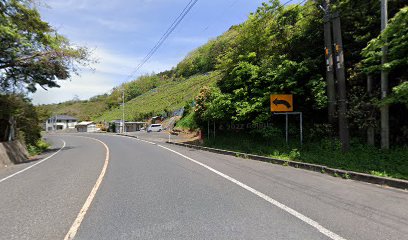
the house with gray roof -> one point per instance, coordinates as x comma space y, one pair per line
60, 122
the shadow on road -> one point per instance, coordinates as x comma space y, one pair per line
43, 155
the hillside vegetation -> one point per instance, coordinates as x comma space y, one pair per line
277, 50
153, 94
165, 98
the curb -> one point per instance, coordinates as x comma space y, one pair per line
125, 135
363, 177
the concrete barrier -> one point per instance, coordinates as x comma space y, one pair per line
12, 153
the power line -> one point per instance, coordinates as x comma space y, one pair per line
286, 3
219, 15
174, 25
164, 37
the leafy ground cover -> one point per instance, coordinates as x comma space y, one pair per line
39, 147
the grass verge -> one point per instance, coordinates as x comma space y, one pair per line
361, 158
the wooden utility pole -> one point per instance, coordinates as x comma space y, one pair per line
370, 130
328, 52
341, 81
385, 117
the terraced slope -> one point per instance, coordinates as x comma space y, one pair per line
167, 97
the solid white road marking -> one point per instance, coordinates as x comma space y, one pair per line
282, 206
77, 223
291, 211
25, 169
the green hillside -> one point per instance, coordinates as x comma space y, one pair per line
84, 110
167, 97
154, 94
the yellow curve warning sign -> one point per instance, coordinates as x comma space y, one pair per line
281, 103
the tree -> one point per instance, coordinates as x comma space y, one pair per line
18, 115
275, 51
31, 52
395, 38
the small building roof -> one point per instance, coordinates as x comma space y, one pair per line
135, 122
84, 124
63, 117
126, 122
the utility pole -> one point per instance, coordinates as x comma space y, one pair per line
123, 111
385, 116
341, 80
54, 122
370, 130
328, 52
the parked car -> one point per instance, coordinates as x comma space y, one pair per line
155, 128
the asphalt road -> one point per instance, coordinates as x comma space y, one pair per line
160, 191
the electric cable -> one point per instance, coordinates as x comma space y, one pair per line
164, 37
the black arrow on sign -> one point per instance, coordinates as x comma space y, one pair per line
281, 102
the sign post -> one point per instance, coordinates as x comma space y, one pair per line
282, 104
287, 129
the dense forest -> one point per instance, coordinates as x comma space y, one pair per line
280, 50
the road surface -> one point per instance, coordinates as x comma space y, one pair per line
99, 186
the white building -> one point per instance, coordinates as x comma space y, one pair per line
86, 127
134, 126
130, 126
60, 122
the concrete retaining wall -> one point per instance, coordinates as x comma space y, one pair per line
12, 153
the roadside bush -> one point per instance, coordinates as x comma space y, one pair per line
188, 122
39, 147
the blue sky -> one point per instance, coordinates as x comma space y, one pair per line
121, 33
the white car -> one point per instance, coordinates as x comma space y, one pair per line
155, 128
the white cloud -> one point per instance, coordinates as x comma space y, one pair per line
83, 4
114, 25
112, 70
121, 64
86, 85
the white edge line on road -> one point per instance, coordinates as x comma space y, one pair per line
282, 206
77, 223
291, 211
27, 168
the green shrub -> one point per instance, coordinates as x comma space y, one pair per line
187, 122
39, 147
